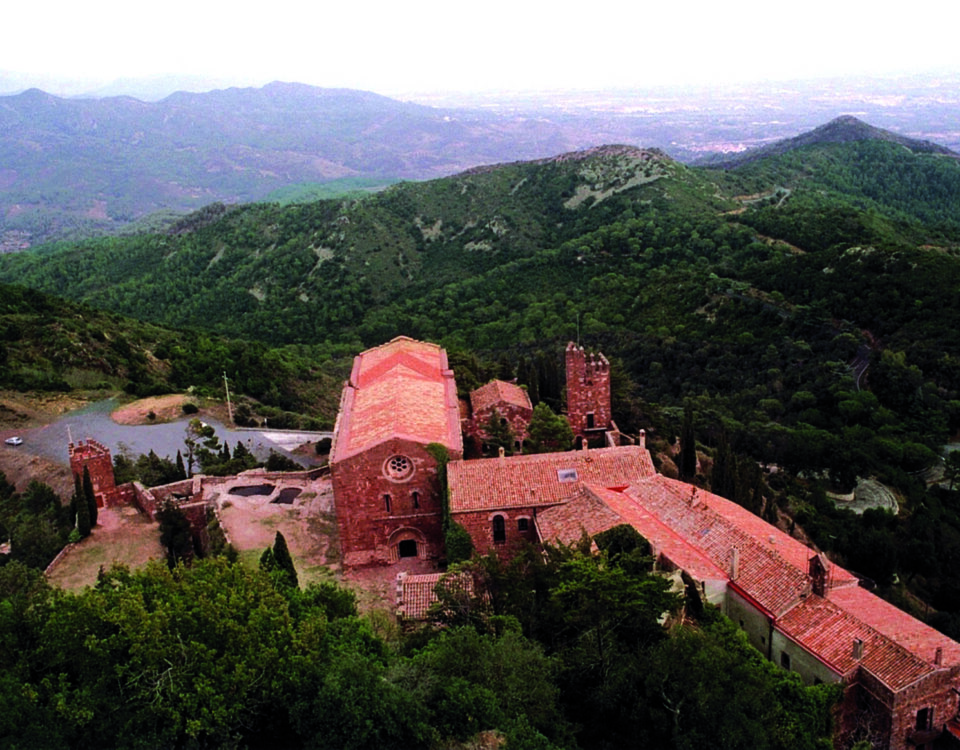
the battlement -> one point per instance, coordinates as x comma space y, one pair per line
95, 457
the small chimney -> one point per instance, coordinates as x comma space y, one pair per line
643, 438
857, 649
735, 564
501, 452
938, 657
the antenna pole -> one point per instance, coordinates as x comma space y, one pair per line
226, 387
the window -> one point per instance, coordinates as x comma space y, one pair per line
523, 524
416, 499
924, 718
386, 503
499, 530
567, 475
398, 468
590, 421
785, 660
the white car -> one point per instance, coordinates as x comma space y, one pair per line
14, 441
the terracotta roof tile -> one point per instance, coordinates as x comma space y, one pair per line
417, 593
919, 639
568, 522
828, 631
541, 479
401, 389
664, 539
497, 392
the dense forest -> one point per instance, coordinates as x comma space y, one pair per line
568, 652
796, 319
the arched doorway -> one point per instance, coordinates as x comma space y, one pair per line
407, 548
407, 543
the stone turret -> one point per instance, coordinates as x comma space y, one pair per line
588, 391
95, 457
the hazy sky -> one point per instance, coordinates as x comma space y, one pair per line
424, 45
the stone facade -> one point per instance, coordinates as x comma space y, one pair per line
388, 504
95, 458
507, 403
588, 392
400, 398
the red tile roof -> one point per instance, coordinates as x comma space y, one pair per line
402, 389
568, 522
828, 631
541, 479
664, 539
499, 392
417, 593
764, 573
919, 639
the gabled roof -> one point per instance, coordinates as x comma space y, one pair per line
568, 522
916, 637
543, 478
708, 523
499, 392
402, 389
829, 631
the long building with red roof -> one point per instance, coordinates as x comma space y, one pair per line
400, 398
809, 616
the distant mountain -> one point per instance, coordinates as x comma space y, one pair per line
844, 129
75, 166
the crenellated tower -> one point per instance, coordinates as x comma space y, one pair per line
588, 391
96, 458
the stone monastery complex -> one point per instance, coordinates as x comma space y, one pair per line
798, 609
399, 414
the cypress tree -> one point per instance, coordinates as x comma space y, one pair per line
83, 518
688, 445
89, 497
281, 556
181, 471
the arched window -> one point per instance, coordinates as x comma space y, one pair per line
499, 530
416, 499
523, 524
386, 503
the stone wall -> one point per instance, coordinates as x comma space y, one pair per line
588, 391
384, 496
480, 526
95, 458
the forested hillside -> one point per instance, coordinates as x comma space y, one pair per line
804, 308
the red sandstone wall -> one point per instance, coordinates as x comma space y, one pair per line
937, 693
369, 533
518, 417
588, 390
96, 458
479, 524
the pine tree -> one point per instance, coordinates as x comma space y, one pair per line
89, 497
688, 446
283, 560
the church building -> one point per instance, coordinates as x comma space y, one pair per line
401, 398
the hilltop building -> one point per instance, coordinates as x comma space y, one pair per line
500, 402
401, 397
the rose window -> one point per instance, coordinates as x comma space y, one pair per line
398, 467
